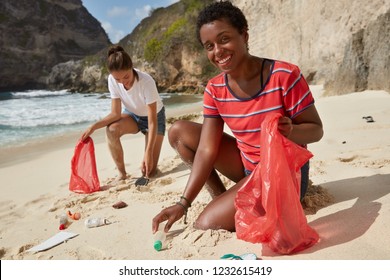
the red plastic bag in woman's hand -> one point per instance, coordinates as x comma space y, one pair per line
84, 177
268, 204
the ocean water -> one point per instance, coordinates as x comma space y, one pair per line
30, 115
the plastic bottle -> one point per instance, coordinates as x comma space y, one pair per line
95, 222
63, 222
159, 238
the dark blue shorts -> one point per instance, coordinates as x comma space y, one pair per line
142, 122
304, 178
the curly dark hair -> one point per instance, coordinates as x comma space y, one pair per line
221, 10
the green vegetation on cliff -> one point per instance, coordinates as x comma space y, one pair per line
163, 44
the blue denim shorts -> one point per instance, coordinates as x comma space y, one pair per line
142, 122
304, 178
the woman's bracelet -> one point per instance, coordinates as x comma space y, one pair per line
186, 200
185, 211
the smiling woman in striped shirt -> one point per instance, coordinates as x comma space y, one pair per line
246, 90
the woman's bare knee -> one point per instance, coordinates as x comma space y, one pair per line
211, 218
207, 221
174, 133
220, 212
184, 133
204, 222
113, 131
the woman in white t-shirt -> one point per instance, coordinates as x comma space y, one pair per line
143, 111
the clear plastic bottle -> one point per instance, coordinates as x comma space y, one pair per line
95, 222
63, 222
159, 238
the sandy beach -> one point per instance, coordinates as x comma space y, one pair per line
350, 174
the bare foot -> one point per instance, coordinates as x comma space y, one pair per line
118, 179
122, 177
154, 174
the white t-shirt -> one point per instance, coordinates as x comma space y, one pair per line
136, 99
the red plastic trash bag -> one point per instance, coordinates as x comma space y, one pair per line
84, 177
268, 204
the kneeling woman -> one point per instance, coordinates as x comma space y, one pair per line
247, 89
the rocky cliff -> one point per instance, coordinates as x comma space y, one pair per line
163, 44
36, 35
342, 44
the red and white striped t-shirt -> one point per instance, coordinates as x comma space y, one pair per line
285, 92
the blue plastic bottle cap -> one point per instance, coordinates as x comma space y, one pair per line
157, 245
